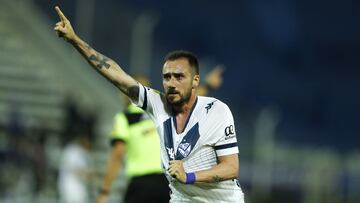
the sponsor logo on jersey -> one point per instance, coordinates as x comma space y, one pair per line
229, 132
171, 153
208, 106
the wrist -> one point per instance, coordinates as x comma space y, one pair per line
190, 178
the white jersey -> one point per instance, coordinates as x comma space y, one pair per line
209, 132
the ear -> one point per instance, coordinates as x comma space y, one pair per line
196, 81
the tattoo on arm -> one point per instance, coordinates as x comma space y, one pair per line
96, 58
133, 92
217, 178
100, 60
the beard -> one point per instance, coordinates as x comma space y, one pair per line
185, 97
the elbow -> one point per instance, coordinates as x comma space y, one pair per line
235, 172
230, 165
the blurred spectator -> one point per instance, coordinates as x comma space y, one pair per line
39, 159
75, 170
72, 118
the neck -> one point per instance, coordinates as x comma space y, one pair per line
186, 106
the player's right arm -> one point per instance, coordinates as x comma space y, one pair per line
105, 66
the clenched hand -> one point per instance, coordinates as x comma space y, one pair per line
176, 170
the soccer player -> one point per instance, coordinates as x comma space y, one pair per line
199, 151
134, 135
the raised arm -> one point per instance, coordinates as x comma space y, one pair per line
105, 66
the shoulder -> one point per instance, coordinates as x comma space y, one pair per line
214, 105
153, 92
156, 102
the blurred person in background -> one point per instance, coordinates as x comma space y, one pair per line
134, 136
199, 151
75, 169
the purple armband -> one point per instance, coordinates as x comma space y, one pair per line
190, 178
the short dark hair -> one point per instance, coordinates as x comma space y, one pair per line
192, 59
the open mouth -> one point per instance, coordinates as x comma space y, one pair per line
172, 93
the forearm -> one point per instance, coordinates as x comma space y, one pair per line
105, 66
225, 170
113, 166
111, 173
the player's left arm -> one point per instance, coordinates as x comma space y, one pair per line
226, 169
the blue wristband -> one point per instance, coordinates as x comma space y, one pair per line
190, 178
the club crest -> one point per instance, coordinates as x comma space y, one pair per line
184, 149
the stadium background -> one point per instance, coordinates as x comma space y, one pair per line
292, 80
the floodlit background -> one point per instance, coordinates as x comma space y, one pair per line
292, 81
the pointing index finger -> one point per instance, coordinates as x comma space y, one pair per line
60, 13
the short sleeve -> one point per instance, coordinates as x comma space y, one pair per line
227, 144
143, 100
149, 100
120, 130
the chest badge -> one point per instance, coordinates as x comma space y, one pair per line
184, 149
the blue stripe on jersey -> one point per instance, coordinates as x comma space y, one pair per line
188, 142
168, 139
144, 106
225, 146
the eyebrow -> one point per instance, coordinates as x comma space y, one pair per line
173, 73
178, 74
